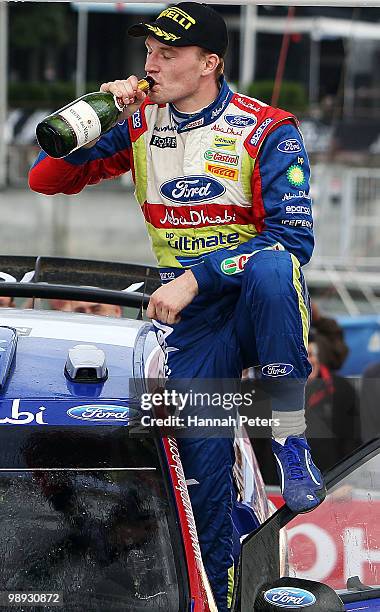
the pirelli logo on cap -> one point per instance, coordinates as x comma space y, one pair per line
231, 174
179, 16
164, 35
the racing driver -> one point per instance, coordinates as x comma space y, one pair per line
223, 183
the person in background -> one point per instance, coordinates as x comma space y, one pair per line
332, 349
370, 402
7, 301
105, 310
332, 410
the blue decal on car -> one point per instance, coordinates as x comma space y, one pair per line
191, 189
97, 412
291, 597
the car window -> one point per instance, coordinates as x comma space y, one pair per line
88, 517
341, 538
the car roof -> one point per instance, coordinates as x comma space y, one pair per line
44, 340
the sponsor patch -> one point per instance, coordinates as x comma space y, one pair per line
277, 369
225, 143
297, 223
254, 140
218, 110
191, 189
164, 128
248, 103
96, 412
230, 130
136, 120
221, 158
240, 120
196, 123
292, 196
164, 142
201, 243
224, 172
297, 210
295, 175
234, 265
291, 145
289, 597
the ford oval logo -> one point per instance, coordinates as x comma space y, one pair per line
240, 120
190, 189
290, 597
100, 412
292, 145
277, 369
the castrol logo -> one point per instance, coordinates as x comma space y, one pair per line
221, 158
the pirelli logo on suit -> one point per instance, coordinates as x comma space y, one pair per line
232, 174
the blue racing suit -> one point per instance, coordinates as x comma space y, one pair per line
225, 192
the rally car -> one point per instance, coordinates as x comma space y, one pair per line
95, 514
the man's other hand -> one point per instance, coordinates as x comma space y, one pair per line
168, 301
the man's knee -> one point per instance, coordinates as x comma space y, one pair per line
269, 273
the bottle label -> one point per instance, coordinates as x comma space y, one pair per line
83, 120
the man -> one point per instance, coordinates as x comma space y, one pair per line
223, 183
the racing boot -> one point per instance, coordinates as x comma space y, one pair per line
302, 484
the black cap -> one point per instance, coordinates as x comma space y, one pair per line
187, 23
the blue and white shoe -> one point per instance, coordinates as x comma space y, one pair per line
302, 484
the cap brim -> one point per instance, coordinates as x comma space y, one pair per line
139, 29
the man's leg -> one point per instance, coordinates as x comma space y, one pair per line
274, 306
195, 351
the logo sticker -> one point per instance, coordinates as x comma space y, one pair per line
295, 175
225, 143
291, 145
240, 120
247, 103
234, 265
164, 142
196, 123
191, 189
179, 16
257, 135
97, 412
223, 172
297, 210
291, 597
136, 119
158, 32
277, 369
222, 158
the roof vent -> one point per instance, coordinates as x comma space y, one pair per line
86, 363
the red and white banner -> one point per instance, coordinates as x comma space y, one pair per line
339, 539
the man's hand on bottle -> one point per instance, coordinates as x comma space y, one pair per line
168, 301
128, 94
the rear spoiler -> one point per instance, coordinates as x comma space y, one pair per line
78, 279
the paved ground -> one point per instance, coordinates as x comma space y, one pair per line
99, 223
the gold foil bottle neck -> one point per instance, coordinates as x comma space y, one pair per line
145, 84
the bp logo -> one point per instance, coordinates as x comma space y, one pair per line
295, 175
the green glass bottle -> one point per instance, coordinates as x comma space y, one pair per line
81, 121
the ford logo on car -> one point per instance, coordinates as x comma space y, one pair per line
277, 369
190, 189
291, 145
240, 120
100, 412
291, 597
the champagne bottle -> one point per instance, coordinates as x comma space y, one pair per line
81, 121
